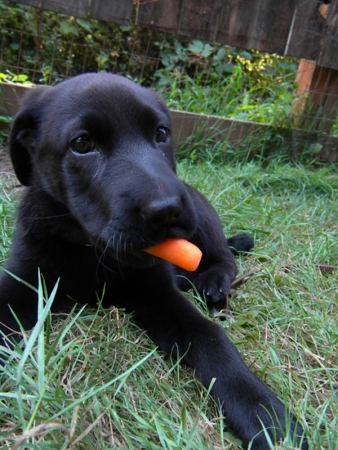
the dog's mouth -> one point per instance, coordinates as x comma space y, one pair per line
124, 238
125, 255
130, 250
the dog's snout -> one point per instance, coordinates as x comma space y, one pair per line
161, 213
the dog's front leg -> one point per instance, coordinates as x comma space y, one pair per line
217, 268
178, 328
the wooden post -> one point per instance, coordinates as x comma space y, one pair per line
324, 97
317, 91
304, 77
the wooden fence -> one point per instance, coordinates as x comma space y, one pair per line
306, 29
116, 11
290, 27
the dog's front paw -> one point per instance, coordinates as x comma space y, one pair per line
214, 285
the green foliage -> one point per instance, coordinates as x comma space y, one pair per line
11, 77
224, 81
192, 57
50, 46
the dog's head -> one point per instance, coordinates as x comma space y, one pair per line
100, 145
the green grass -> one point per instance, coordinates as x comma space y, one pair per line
96, 380
231, 97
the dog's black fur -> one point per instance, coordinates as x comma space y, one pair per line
95, 152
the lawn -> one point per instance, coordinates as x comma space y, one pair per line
94, 380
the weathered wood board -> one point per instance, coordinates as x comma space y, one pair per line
10, 96
262, 25
306, 31
329, 41
116, 11
189, 126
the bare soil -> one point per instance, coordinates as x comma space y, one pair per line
8, 181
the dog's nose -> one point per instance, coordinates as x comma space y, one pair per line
163, 212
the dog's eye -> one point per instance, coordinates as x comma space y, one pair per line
82, 144
162, 134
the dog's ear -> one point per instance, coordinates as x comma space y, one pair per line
24, 130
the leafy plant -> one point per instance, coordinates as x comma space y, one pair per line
11, 77
52, 46
221, 80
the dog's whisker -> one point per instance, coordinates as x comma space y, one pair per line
45, 188
118, 251
56, 216
125, 249
97, 255
120, 246
103, 252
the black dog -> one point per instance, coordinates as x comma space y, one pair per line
97, 156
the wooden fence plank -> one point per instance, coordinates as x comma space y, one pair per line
306, 31
35, 3
78, 8
187, 127
238, 22
262, 25
329, 42
163, 15
11, 95
115, 11
200, 19
324, 96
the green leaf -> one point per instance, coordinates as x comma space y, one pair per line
196, 47
220, 54
20, 78
207, 50
246, 55
84, 24
101, 59
226, 67
316, 148
66, 28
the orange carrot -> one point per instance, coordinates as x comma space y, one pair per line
180, 252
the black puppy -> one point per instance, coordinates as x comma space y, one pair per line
96, 154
